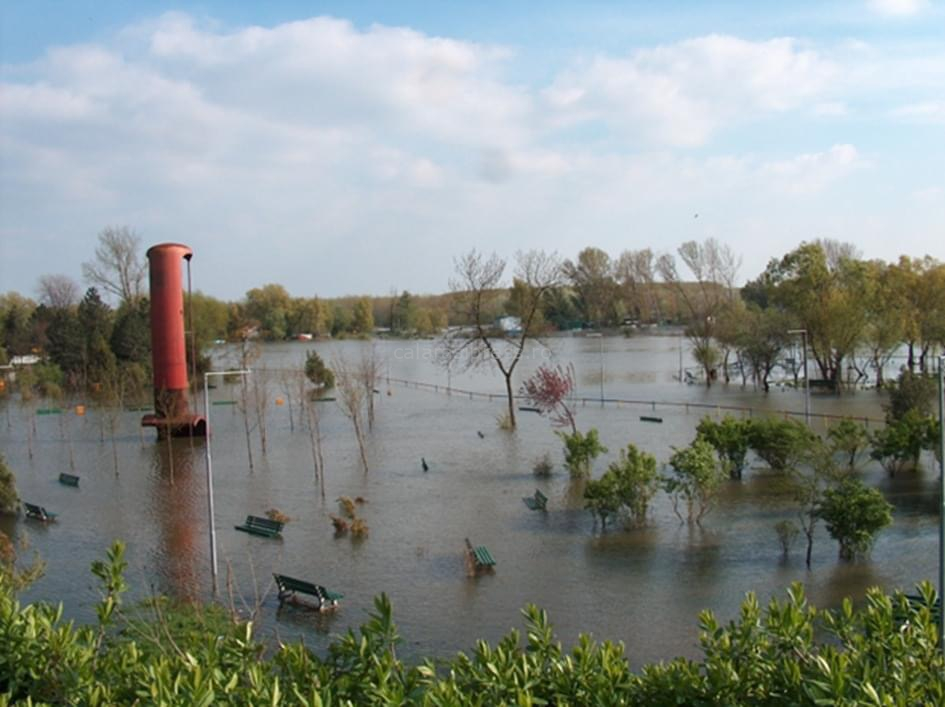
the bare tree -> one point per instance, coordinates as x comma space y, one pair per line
260, 404
312, 421
479, 298
714, 267
287, 381
369, 373
58, 291
117, 267
247, 353
351, 399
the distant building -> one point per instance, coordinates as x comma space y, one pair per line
509, 325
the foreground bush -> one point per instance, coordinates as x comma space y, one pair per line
883, 654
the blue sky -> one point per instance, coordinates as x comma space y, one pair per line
343, 148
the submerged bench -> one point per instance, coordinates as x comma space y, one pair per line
650, 418
480, 557
261, 526
68, 479
38, 513
538, 502
290, 586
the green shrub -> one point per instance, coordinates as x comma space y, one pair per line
317, 372
697, 476
629, 483
781, 444
8, 496
788, 653
849, 438
854, 513
898, 445
580, 451
730, 438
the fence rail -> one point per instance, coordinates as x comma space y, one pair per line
743, 410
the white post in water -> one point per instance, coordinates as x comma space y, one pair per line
210, 521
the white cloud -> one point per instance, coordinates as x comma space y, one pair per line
813, 172
898, 8
922, 112
286, 153
683, 93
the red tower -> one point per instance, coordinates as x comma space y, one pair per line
168, 345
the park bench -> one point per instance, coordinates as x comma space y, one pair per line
290, 586
538, 502
479, 557
827, 384
68, 479
38, 513
261, 526
650, 418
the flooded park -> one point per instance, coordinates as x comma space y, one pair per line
644, 587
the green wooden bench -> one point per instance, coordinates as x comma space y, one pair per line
68, 479
290, 586
538, 502
650, 418
38, 513
480, 556
261, 526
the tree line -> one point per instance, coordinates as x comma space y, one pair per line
856, 314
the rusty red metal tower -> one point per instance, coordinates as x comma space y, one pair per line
172, 414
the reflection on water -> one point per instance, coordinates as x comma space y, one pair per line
617, 585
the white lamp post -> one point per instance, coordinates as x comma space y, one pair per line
213, 528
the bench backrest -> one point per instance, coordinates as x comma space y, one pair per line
265, 523
33, 509
540, 497
68, 479
297, 585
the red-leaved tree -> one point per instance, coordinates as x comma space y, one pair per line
549, 390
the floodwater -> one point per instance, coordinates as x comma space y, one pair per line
643, 587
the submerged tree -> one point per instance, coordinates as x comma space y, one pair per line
697, 476
628, 485
479, 301
854, 513
351, 399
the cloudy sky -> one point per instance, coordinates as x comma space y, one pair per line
342, 148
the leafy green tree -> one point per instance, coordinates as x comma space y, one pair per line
131, 335
317, 372
580, 450
629, 483
807, 480
66, 345
404, 314
854, 513
362, 318
16, 323
697, 477
730, 438
849, 438
911, 392
268, 307
898, 445
780, 443
592, 277
8, 496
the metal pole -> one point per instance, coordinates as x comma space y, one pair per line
941, 517
209, 458
803, 333
806, 383
210, 516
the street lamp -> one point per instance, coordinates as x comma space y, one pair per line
803, 333
213, 528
